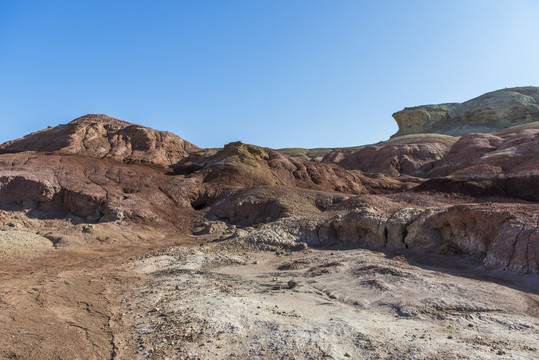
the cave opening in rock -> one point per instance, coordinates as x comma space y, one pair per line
198, 205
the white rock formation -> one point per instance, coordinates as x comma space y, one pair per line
487, 113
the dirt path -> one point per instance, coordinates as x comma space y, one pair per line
62, 305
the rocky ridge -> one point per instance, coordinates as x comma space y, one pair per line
104, 189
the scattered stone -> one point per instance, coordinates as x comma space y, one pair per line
88, 228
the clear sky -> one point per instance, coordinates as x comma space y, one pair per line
276, 73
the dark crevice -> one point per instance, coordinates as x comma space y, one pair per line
404, 235
198, 205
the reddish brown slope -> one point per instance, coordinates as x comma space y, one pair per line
87, 189
502, 163
96, 168
406, 155
103, 136
506, 162
88, 169
240, 165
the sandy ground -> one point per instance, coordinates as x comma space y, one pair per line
218, 301
19, 244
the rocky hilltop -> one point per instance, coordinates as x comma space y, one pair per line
103, 136
487, 113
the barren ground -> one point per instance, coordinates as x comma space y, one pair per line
60, 303
228, 300
220, 301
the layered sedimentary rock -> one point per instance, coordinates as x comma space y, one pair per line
487, 113
84, 170
207, 176
407, 155
504, 162
88, 189
244, 165
103, 136
93, 170
503, 236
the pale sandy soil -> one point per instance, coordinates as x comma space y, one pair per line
19, 244
222, 301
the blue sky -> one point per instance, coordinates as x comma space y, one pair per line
276, 73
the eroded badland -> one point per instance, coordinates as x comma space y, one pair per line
121, 241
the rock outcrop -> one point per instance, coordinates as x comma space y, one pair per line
88, 190
406, 155
93, 170
504, 237
506, 162
240, 165
103, 136
487, 113
502, 163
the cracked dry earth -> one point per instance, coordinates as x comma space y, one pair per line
229, 301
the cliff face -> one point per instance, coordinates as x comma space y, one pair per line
490, 112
